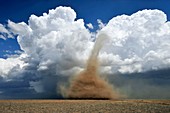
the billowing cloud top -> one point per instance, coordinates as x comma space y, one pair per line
140, 42
55, 44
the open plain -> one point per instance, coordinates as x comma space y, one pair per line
84, 106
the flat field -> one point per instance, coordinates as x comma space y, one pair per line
84, 106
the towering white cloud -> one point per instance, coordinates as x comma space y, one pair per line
56, 45
54, 38
139, 42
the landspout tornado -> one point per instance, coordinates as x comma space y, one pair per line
88, 84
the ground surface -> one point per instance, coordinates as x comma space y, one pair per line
84, 106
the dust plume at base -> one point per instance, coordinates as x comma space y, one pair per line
88, 84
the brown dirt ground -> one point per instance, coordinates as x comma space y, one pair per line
84, 106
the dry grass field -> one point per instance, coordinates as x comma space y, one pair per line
84, 106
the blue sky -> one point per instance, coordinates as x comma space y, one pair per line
89, 10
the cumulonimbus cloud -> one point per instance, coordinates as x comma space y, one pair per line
139, 42
57, 44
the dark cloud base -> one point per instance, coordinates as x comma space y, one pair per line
148, 85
